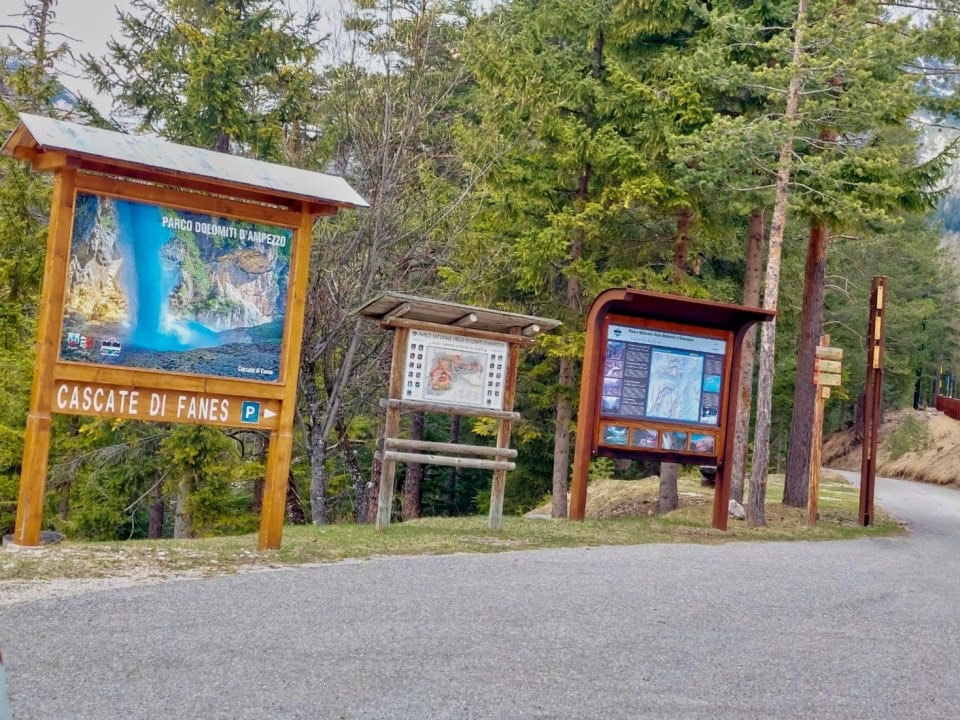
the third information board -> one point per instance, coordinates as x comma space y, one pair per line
656, 377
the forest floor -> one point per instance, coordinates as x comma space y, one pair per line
913, 444
73, 568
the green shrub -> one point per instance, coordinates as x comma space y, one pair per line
911, 435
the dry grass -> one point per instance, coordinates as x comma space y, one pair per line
77, 567
933, 464
633, 498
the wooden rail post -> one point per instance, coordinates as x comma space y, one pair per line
504, 428
36, 439
388, 469
813, 480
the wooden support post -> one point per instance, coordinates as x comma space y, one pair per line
388, 471
36, 440
279, 451
504, 428
873, 398
813, 487
816, 442
721, 489
585, 412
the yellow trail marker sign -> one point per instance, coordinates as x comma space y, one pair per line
829, 353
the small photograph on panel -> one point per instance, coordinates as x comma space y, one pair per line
612, 386
709, 415
613, 363
644, 437
711, 383
703, 443
671, 440
610, 404
614, 435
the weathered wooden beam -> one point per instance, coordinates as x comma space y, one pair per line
415, 405
470, 463
504, 428
397, 312
530, 330
466, 320
388, 469
392, 322
36, 439
164, 195
452, 448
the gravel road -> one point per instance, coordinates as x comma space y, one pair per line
863, 629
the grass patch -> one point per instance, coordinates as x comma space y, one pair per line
440, 536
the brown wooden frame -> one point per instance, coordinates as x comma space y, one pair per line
684, 315
718, 431
73, 174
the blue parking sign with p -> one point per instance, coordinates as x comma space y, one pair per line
249, 411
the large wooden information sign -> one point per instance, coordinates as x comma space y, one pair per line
457, 360
173, 291
659, 382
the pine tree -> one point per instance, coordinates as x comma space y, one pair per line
28, 83
386, 122
229, 75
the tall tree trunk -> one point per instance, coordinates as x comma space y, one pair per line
73, 430
669, 497
295, 511
756, 510
567, 379
561, 440
64, 509
751, 297
318, 475
681, 244
564, 411
357, 479
183, 519
450, 487
158, 511
804, 391
413, 479
259, 485
373, 487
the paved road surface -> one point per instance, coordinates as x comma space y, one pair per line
865, 629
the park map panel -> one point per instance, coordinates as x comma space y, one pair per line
652, 377
455, 370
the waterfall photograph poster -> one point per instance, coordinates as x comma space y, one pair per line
159, 288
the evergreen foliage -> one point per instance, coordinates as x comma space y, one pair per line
525, 156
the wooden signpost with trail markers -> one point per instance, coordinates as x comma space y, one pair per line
660, 382
457, 360
826, 374
173, 291
873, 398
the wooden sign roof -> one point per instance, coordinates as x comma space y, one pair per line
152, 159
441, 312
674, 308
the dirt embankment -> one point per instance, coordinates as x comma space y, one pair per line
919, 445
